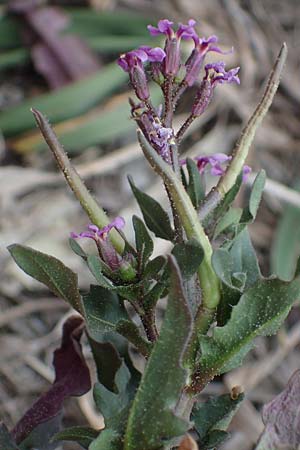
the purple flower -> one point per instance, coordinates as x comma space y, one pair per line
105, 248
215, 74
195, 61
172, 45
164, 26
95, 233
129, 60
132, 62
215, 161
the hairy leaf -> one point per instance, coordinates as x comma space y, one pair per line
143, 241
114, 406
106, 357
61, 280
103, 310
213, 416
260, 312
156, 218
189, 256
152, 421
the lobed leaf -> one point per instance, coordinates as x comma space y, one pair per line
61, 280
260, 312
152, 422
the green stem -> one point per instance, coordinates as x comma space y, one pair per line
189, 219
94, 211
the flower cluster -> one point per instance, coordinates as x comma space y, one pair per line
167, 68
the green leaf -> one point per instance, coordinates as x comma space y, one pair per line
152, 421
49, 271
63, 103
189, 256
195, 188
230, 218
103, 311
260, 312
214, 439
77, 249
250, 212
214, 414
143, 241
95, 265
106, 357
154, 267
244, 258
6, 441
156, 218
107, 440
82, 435
285, 248
238, 269
114, 406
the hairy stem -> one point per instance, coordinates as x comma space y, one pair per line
188, 216
184, 127
168, 114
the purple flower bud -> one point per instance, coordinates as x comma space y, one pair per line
203, 98
100, 235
